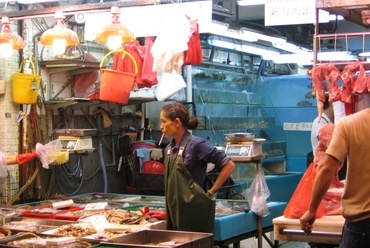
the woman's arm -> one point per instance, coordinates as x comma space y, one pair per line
12, 159
224, 174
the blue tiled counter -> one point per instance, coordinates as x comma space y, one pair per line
240, 224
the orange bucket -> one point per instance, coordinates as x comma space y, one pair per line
116, 86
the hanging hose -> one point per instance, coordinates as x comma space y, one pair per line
101, 157
105, 178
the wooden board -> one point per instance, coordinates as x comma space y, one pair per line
327, 229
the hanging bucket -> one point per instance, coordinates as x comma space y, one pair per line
25, 86
116, 86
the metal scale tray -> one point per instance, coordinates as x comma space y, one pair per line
76, 132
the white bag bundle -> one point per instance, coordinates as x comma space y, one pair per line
169, 84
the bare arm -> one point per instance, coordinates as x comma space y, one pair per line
223, 175
324, 176
11, 159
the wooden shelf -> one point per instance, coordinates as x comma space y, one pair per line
73, 66
351, 10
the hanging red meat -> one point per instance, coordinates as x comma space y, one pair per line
361, 83
332, 75
318, 88
325, 134
368, 83
347, 79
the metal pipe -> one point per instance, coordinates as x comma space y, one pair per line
81, 8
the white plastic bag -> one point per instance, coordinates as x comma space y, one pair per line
257, 194
168, 85
48, 153
3, 170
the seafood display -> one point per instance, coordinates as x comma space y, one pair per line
4, 232
74, 231
340, 85
127, 217
37, 241
27, 226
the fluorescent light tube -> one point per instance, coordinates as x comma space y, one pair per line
264, 53
36, 1
364, 54
219, 41
251, 2
336, 56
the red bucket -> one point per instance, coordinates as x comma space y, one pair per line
116, 86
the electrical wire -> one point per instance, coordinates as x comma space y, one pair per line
66, 179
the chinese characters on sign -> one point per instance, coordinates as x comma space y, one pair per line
289, 12
297, 126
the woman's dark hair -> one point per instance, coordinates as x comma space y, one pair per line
178, 110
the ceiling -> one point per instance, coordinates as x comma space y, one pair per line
251, 17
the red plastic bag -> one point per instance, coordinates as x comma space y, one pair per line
194, 55
298, 203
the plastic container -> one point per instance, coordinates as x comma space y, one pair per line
116, 86
25, 86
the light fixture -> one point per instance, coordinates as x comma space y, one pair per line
59, 37
244, 34
8, 40
115, 34
265, 53
36, 1
293, 59
251, 2
289, 47
336, 56
364, 54
218, 41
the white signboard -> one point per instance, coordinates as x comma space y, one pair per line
292, 12
297, 126
150, 20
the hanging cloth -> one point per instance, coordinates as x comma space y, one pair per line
193, 55
188, 208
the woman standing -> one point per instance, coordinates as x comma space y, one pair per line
189, 206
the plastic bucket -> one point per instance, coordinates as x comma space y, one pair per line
25, 86
116, 86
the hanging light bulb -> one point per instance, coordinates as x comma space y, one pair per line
8, 40
114, 35
59, 37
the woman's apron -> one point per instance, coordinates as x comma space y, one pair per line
188, 207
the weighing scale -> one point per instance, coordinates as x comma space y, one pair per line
245, 150
76, 141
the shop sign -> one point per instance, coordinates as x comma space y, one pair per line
297, 126
292, 12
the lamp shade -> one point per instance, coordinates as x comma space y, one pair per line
115, 31
7, 36
59, 32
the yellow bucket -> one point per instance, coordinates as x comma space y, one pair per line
25, 86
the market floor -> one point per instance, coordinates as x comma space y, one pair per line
252, 243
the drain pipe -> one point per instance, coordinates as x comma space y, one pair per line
101, 156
